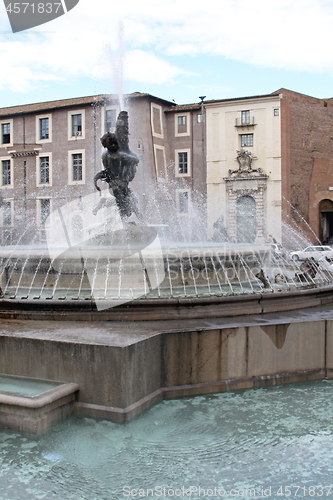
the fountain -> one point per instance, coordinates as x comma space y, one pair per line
132, 315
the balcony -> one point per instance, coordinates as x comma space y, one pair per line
249, 122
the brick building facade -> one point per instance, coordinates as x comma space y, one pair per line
50, 153
307, 162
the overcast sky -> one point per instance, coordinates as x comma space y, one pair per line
175, 49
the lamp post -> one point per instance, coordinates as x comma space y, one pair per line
203, 161
203, 147
141, 149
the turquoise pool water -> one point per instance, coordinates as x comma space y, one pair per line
25, 387
262, 440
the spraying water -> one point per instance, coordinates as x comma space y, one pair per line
116, 59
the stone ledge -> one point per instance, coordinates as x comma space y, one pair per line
126, 414
36, 415
119, 414
169, 309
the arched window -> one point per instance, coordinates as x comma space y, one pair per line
246, 219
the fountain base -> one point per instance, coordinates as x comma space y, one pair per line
126, 365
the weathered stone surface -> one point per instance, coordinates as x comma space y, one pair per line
122, 368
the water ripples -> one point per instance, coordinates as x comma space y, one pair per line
253, 438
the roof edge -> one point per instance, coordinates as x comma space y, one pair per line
98, 99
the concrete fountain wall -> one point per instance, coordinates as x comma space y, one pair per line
130, 357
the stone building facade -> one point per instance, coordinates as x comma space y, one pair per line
290, 137
50, 152
249, 198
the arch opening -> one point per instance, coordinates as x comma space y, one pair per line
326, 221
246, 219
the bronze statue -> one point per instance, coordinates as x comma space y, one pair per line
119, 164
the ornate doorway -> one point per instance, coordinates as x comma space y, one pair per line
246, 203
246, 219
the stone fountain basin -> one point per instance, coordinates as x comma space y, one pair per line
32, 405
246, 304
128, 358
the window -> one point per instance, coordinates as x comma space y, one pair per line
44, 170
183, 202
6, 222
246, 117
6, 213
45, 209
43, 212
156, 120
77, 167
160, 163
110, 120
276, 112
6, 237
6, 173
182, 163
76, 125
246, 140
182, 125
44, 128
5, 132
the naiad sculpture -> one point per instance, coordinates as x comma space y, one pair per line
119, 168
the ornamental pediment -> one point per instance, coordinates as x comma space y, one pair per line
245, 170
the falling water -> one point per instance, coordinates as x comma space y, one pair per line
35, 275
216, 274
199, 268
116, 59
57, 280
303, 220
84, 267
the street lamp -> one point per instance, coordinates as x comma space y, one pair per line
141, 149
203, 147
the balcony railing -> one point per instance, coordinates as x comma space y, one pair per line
249, 122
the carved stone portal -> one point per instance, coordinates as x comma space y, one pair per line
242, 184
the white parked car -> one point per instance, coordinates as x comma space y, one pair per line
317, 252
